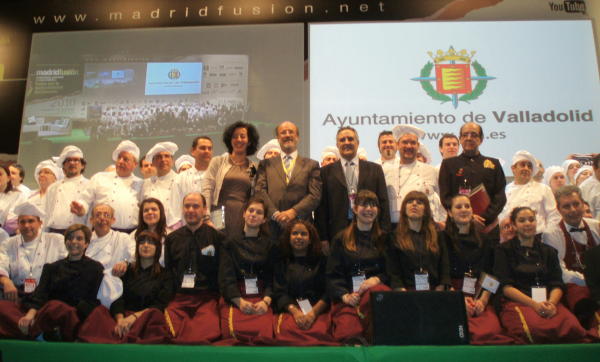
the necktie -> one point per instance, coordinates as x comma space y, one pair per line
350, 178
287, 162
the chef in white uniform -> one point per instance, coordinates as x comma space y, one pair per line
412, 175
46, 173
163, 186
23, 256
525, 191
61, 211
120, 189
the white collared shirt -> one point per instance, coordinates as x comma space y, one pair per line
553, 236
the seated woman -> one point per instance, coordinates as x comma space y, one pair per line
470, 255
355, 267
246, 280
137, 316
299, 289
67, 291
416, 259
531, 282
152, 218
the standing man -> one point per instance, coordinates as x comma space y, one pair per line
163, 186
572, 237
590, 188
469, 171
412, 175
192, 256
189, 180
121, 189
341, 182
146, 168
448, 146
61, 207
387, 149
525, 191
289, 184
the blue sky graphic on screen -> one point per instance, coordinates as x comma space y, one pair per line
173, 78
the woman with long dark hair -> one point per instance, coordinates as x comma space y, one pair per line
355, 267
417, 260
470, 255
299, 293
228, 181
532, 285
152, 218
137, 316
246, 280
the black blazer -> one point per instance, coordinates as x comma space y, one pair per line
332, 214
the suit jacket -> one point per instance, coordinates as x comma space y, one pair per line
302, 193
332, 214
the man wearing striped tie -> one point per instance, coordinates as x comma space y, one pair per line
290, 184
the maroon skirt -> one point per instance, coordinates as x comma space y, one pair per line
287, 332
484, 328
149, 328
524, 325
574, 294
193, 319
10, 313
354, 323
238, 328
56, 316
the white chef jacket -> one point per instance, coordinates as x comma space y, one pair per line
536, 195
58, 202
164, 188
8, 201
590, 191
121, 193
18, 259
189, 181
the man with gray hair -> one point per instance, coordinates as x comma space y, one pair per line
572, 236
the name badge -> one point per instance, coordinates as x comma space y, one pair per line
188, 280
538, 294
304, 305
208, 251
469, 284
422, 281
251, 285
464, 191
357, 281
29, 285
489, 283
218, 218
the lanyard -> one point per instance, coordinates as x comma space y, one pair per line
30, 262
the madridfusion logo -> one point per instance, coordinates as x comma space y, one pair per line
174, 74
453, 77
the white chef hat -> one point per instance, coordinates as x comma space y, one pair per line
271, 145
184, 159
50, 165
403, 129
330, 151
28, 208
67, 152
550, 171
527, 156
581, 170
161, 147
425, 152
126, 146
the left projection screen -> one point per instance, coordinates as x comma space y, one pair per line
96, 88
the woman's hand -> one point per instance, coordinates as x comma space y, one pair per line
10, 291
245, 306
368, 284
27, 321
261, 307
124, 325
548, 309
470, 304
351, 299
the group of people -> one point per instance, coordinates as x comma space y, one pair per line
287, 251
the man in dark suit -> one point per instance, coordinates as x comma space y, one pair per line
342, 180
289, 184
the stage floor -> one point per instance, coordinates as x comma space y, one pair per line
11, 351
